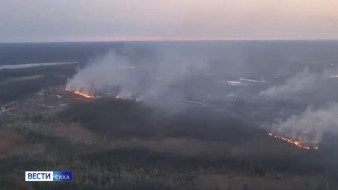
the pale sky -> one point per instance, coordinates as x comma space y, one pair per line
101, 20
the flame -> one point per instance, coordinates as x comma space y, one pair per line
295, 142
83, 94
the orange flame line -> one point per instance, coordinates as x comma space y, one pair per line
86, 95
294, 142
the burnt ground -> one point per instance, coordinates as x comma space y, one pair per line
122, 144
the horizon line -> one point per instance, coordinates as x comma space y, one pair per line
164, 40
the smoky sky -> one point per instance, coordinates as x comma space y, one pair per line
87, 20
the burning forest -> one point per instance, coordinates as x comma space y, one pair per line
296, 142
165, 82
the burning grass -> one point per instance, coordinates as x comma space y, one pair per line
81, 93
295, 142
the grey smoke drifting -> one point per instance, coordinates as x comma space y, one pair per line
149, 76
310, 126
167, 74
306, 86
302, 83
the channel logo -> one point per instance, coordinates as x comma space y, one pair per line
48, 176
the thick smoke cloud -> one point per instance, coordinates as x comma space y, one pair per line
308, 88
310, 126
147, 74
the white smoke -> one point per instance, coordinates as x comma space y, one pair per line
305, 86
144, 77
310, 126
308, 88
302, 83
99, 74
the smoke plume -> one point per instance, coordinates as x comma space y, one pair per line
148, 75
305, 87
310, 126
